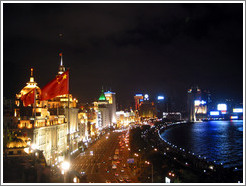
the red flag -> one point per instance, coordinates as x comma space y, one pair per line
58, 86
28, 98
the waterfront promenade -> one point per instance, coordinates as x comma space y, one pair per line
170, 160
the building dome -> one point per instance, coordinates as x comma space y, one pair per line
102, 96
16, 143
31, 84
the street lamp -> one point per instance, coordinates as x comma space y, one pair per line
65, 167
147, 162
139, 161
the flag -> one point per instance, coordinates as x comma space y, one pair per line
56, 87
28, 98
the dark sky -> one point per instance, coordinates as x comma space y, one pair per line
128, 48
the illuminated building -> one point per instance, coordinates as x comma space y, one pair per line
46, 122
193, 94
83, 121
174, 116
144, 107
147, 109
103, 108
110, 96
160, 104
138, 99
92, 117
197, 105
16, 147
125, 118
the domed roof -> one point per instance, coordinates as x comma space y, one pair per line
16, 143
27, 89
31, 84
102, 96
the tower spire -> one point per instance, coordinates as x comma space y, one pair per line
31, 72
31, 77
102, 96
61, 67
61, 59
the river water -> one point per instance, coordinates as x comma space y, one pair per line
220, 141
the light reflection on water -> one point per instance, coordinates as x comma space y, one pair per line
216, 140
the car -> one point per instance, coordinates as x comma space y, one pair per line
121, 179
116, 174
128, 180
114, 166
122, 170
124, 165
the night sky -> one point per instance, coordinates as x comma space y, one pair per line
126, 48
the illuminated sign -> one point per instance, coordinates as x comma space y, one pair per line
198, 102
130, 160
141, 100
214, 113
146, 97
139, 95
223, 112
109, 92
234, 117
203, 102
222, 106
160, 97
238, 110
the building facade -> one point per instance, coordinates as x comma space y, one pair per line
197, 104
110, 96
51, 125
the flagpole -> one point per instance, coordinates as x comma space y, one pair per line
34, 106
68, 125
68, 122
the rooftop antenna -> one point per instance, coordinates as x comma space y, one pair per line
31, 72
61, 59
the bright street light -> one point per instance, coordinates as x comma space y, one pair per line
147, 162
65, 165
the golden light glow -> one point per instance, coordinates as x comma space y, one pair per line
26, 150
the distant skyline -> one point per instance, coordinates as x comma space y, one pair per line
128, 48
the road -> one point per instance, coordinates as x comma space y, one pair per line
98, 166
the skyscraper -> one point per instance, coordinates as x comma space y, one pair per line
197, 104
138, 99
